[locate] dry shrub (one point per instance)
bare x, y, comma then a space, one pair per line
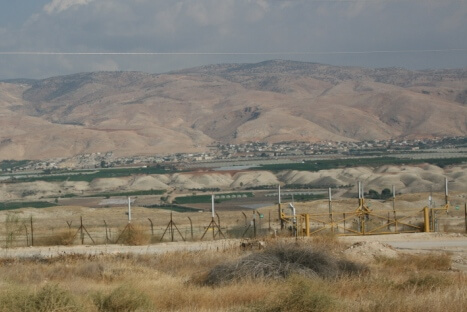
49, 298
165, 279
236, 231
436, 300
327, 240
426, 282
92, 270
61, 238
175, 294
280, 261
134, 235
303, 295
407, 262
53, 298
185, 263
123, 298
15, 299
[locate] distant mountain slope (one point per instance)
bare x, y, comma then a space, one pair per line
183, 111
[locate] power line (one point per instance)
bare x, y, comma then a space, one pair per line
51, 53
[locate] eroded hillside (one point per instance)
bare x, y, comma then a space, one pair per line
133, 113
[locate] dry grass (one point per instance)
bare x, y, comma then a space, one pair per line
49, 298
300, 294
123, 298
60, 238
408, 263
134, 235
171, 282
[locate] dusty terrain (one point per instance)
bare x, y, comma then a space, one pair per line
135, 113
405, 271
110, 222
362, 248
406, 179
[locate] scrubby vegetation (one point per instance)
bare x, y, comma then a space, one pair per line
123, 298
310, 275
133, 235
48, 298
59, 238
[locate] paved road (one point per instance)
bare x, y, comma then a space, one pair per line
431, 245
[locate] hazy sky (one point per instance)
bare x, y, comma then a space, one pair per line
425, 34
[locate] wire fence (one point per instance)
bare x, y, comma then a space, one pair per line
86, 230
16, 232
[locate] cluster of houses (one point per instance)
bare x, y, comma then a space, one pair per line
232, 152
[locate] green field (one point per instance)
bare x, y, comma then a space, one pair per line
18, 205
175, 208
304, 198
88, 176
357, 162
133, 193
202, 199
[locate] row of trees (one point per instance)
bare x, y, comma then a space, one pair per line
385, 194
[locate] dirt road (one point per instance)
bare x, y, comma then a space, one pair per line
455, 244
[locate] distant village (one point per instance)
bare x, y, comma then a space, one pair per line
236, 152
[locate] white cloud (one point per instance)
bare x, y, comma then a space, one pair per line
212, 12
57, 6
258, 10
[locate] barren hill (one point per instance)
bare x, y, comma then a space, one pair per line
406, 179
137, 113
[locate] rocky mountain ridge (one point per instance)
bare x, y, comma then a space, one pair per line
133, 113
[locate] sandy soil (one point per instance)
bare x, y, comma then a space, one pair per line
361, 248
415, 243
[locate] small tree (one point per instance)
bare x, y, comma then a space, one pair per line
373, 194
386, 193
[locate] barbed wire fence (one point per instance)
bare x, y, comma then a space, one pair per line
17, 231
79, 230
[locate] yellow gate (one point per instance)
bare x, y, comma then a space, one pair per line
362, 221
